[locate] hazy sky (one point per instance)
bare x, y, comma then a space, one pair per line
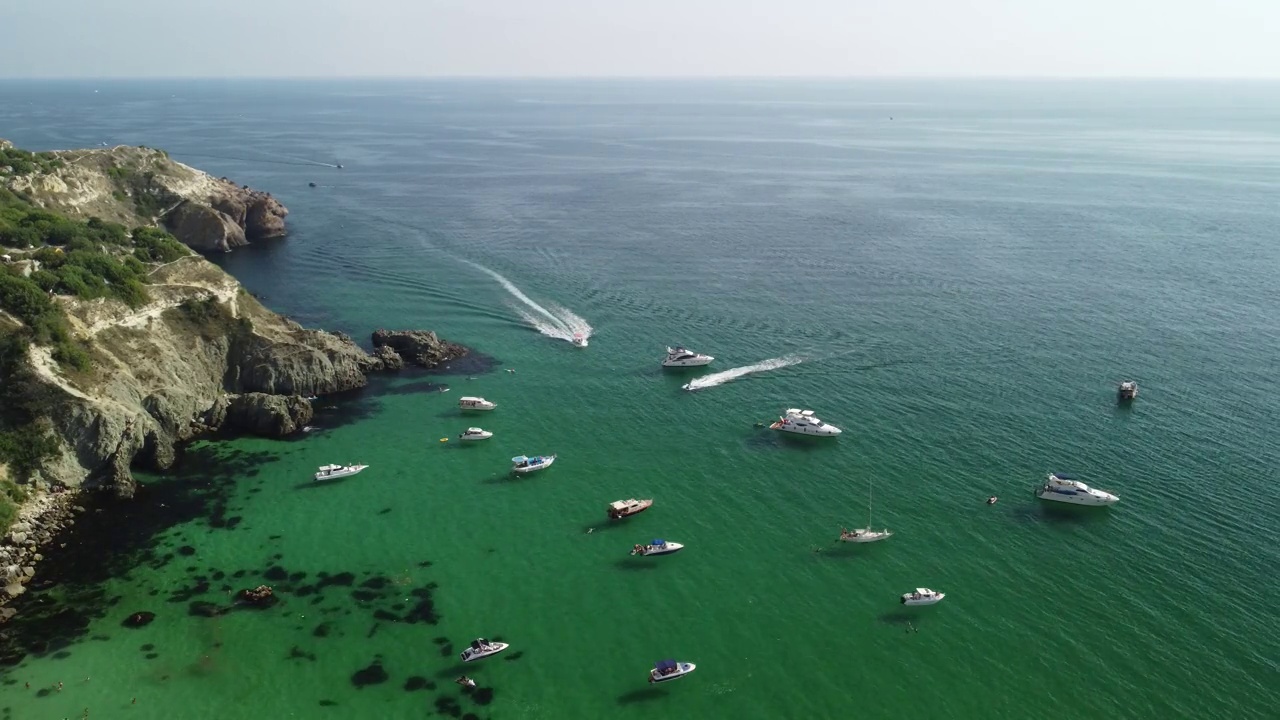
283, 38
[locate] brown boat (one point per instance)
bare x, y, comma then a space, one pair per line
625, 508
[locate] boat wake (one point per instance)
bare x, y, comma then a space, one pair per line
551, 320
724, 376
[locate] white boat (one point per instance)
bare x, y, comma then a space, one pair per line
657, 547
866, 534
524, 464
474, 433
1067, 489
922, 596
579, 340
475, 403
333, 472
481, 648
804, 422
682, 358
666, 670
619, 509
1128, 390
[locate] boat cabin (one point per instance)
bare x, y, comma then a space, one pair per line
665, 667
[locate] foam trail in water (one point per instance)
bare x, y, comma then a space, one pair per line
725, 376
560, 323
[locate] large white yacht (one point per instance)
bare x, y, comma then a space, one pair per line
679, 357
475, 403
804, 422
1065, 488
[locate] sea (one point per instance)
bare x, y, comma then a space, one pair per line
958, 273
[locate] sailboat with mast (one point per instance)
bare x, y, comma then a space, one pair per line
866, 534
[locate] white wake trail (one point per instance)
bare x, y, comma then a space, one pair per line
559, 322
725, 376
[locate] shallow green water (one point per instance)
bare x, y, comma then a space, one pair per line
964, 287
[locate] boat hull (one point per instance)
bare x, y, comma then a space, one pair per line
911, 602
1078, 498
866, 536
827, 431
671, 547
621, 514
534, 468
475, 438
682, 670
691, 362
321, 477
470, 655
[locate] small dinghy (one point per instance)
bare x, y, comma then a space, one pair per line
333, 472
657, 547
670, 670
475, 433
523, 464
481, 648
922, 596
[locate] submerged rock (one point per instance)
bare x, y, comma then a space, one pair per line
371, 675
139, 619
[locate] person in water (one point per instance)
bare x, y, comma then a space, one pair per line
465, 681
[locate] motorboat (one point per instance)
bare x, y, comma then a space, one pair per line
1128, 390
922, 596
579, 340
665, 670
475, 403
804, 422
1067, 489
619, 509
481, 648
682, 358
657, 547
524, 464
333, 472
866, 534
474, 433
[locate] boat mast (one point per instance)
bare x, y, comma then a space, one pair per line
870, 490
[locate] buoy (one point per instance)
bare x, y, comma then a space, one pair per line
444, 439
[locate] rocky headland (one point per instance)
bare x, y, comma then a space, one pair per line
188, 355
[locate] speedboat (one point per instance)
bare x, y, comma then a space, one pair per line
666, 670
864, 535
579, 340
475, 403
475, 433
619, 509
524, 464
657, 547
333, 472
804, 422
922, 596
1067, 489
682, 358
1128, 390
481, 648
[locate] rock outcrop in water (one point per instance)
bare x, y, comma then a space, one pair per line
419, 347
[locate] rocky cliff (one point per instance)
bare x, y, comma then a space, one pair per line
143, 186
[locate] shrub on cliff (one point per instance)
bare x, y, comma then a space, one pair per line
24, 442
155, 245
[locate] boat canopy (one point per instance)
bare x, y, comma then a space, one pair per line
519, 459
1064, 476
619, 504
923, 591
665, 665
324, 468
470, 399
658, 542
475, 430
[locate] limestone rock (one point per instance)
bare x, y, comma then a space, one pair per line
265, 218
420, 347
203, 228
391, 360
268, 415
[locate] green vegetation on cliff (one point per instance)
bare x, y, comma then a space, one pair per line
23, 162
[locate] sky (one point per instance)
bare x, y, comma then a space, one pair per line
645, 38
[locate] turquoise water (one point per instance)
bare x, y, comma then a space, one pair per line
963, 284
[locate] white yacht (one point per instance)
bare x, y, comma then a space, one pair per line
1065, 488
474, 433
523, 464
333, 472
657, 547
804, 422
682, 358
481, 648
579, 340
922, 596
666, 670
475, 403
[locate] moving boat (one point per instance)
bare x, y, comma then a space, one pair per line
666, 670
481, 648
619, 509
1128, 390
1067, 489
524, 464
475, 433
804, 422
657, 547
922, 596
579, 340
333, 472
475, 403
682, 358
866, 534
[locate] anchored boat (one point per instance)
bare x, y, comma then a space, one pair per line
333, 472
523, 464
666, 670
